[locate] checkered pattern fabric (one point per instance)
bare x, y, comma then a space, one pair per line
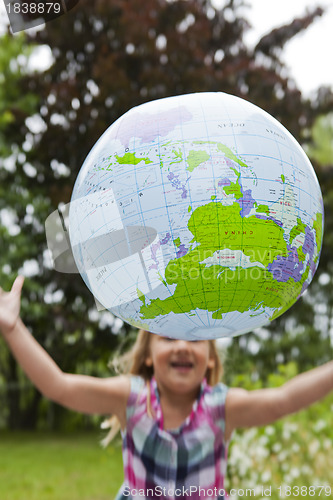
189, 461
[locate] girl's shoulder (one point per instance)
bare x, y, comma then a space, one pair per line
138, 393
137, 385
218, 391
214, 399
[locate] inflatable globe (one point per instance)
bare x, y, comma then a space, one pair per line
197, 216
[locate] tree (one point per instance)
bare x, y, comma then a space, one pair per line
106, 58
14, 108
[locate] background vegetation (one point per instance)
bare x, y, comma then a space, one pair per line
106, 57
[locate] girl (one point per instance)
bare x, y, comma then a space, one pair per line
176, 418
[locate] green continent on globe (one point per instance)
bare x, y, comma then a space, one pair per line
201, 282
217, 227
225, 150
195, 158
298, 229
263, 209
222, 291
318, 227
131, 159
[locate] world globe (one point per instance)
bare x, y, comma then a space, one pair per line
197, 216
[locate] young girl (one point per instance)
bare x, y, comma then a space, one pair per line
176, 418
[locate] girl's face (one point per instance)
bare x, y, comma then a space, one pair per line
179, 365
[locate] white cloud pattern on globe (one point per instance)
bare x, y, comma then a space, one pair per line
197, 216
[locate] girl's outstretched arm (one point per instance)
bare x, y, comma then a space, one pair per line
263, 406
78, 392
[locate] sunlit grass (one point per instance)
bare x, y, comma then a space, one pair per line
35, 466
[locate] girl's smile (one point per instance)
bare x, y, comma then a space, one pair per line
179, 365
182, 365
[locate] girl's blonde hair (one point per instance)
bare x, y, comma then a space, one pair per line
134, 363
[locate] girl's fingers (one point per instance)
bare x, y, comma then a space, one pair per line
18, 283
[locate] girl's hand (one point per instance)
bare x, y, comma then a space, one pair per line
10, 306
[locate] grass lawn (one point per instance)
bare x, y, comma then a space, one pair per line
45, 466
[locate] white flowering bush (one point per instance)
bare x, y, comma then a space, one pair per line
294, 452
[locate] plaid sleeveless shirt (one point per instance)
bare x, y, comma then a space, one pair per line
189, 461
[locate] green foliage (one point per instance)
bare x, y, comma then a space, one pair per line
321, 147
13, 102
